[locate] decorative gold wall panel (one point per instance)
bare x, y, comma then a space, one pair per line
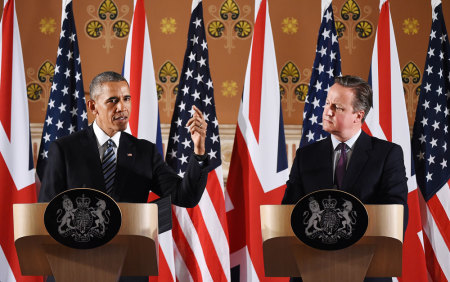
103, 28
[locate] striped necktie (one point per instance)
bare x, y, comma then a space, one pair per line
109, 166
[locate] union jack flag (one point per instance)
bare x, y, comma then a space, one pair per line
66, 111
200, 233
429, 145
327, 65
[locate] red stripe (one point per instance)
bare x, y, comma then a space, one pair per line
6, 75
441, 218
413, 266
185, 250
9, 196
137, 53
256, 69
164, 273
434, 269
216, 194
366, 129
209, 251
247, 196
384, 71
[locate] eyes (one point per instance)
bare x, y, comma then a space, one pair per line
115, 100
334, 107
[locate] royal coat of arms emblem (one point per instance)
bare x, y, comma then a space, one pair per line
329, 219
92, 221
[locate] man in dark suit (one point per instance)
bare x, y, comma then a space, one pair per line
76, 160
373, 169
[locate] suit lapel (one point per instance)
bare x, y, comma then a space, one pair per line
357, 161
125, 161
90, 149
324, 167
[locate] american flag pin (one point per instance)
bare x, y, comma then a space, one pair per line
129, 154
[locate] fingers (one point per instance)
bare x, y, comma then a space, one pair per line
196, 124
197, 111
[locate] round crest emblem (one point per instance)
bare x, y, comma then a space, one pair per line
82, 218
329, 219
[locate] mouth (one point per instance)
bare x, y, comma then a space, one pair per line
120, 118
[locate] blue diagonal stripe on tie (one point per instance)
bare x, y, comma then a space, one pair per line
109, 166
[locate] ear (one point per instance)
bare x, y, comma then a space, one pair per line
359, 116
92, 107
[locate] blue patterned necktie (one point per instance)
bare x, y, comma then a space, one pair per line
341, 166
109, 166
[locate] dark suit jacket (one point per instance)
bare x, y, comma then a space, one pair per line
375, 173
74, 162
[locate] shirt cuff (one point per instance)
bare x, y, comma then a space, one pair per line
200, 158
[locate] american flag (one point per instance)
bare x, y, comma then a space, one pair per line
66, 111
429, 145
327, 65
200, 233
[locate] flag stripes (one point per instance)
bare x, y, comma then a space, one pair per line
255, 70
383, 41
6, 66
17, 174
199, 232
136, 62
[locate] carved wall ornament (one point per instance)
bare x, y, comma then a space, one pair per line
411, 26
167, 87
230, 23
293, 87
107, 23
352, 25
229, 88
168, 25
289, 25
411, 77
47, 26
40, 82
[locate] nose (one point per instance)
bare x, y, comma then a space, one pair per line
120, 106
327, 110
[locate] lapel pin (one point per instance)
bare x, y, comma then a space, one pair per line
129, 154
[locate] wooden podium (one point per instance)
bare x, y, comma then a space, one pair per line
132, 252
377, 254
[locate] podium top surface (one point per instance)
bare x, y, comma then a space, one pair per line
138, 232
281, 247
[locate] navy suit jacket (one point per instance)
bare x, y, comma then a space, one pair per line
375, 173
74, 162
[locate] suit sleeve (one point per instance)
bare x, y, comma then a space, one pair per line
394, 188
54, 180
186, 191
294, 190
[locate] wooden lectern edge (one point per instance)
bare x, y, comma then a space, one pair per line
280, 244
31, 237
279, 216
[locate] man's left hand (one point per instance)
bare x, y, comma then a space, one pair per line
197, 127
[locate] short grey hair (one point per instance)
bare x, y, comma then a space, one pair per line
107, 76
363, 92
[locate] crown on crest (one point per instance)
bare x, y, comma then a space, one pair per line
83, 202
329, 203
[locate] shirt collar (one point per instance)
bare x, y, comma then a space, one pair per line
350, 142
102, 137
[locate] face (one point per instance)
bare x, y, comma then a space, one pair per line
339, 118
112, 107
